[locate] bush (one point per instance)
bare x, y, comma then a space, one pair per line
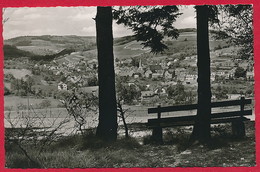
45, 104
6, 91
240, 72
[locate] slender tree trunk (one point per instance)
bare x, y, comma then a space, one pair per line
125, 125
122, 115
201, 131
107, 127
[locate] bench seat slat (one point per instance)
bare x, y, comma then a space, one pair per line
173, 108
172, 119
190, 123
193, 117
230, 103
232, 113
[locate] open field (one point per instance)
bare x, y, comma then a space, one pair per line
15, 101
125, 51
18, 73
41, 50
135, 114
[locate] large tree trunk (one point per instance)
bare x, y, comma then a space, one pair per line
107, 127
201, 131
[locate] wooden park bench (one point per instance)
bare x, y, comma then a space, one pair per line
237, 118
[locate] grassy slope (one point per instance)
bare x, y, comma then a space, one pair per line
89, 152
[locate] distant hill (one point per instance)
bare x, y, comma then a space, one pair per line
123, 40
44, 39
48, 45
187, 30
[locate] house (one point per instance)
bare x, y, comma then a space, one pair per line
167, 74
175, 60
146, 95
62, 86
75, 79
148, 73
234, 96
161, 92
155, 68
191, 77
132, 82
231, 73
169, 63
137, 75
179, 71
250, 75
213, 76
93, 61
220, 73
163, 65
126, 72
181, 76
228, 63
157, 75
57, 73
117, 70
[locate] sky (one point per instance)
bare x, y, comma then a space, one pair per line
69, 21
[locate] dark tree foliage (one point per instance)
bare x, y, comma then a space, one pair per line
235, 24
127, 93
240, 72
6, 91
52, 56
221, 93
149, 23
12, 52
177, 93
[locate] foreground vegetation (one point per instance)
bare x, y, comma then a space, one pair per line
86, 151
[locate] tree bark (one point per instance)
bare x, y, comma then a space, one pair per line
107, 127
201, 131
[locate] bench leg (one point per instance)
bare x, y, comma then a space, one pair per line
238, 129
157, 135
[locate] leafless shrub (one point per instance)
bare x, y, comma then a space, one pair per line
123, 113
122, 116
32, 129
80, 106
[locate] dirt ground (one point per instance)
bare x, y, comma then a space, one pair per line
223, 151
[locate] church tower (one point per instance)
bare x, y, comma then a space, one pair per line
140, 64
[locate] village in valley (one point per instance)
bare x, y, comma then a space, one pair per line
148, 77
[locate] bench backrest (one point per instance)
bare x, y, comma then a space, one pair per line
242, 102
